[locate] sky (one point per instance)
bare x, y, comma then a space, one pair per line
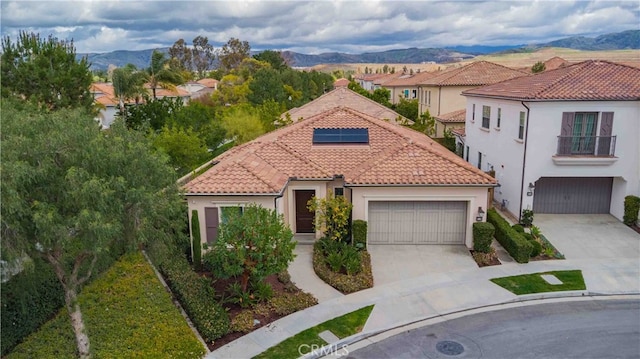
314, 27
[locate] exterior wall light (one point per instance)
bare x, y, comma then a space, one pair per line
530, 191
480, 215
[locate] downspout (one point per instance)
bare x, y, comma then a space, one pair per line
439, 98
524, 162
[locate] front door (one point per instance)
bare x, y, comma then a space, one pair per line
304, 217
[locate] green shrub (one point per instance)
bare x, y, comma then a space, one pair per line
262, 291
343, 282
196, 296
631, 208
527, 217
243, 322
245, 299
482, 236
512, 241
518, 227
285, 278
536, 248
334, 261
197, 241
359, 230
287, 303
528, 236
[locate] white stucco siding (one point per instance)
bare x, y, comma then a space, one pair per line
199, 203
500, 147
474, 196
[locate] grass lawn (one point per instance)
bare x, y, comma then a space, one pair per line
342, 327
127, 312
533, 283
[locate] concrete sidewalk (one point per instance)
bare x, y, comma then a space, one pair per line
434, 295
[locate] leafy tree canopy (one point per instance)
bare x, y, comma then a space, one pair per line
46, 72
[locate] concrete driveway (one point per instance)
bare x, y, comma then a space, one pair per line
589, 236
393, 263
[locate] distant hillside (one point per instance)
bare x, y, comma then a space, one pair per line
617, 41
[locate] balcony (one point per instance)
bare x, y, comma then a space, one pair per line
585, 150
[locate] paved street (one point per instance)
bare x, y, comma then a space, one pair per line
575, 329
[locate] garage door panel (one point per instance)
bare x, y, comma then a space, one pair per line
417, 222
579, 195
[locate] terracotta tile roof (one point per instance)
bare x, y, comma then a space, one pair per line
475, 74
554, 63
343, 97
452, 117
384, 78
106, 100
395, 155
460, 131
410, 80
341, 82
585, 81
211, 83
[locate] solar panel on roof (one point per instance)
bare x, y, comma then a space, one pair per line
340, 135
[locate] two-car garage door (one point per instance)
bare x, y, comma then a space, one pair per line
416, 222
572, 195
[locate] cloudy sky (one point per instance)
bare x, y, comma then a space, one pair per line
316, 26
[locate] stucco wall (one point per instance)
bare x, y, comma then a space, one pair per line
475, 196
502, 149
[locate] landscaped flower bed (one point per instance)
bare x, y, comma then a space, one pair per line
347, 275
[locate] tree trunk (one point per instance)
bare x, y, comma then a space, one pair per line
82, 339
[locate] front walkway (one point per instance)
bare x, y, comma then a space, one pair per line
302, 274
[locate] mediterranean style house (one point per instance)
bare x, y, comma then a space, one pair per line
409, 188
441, 93
562, 141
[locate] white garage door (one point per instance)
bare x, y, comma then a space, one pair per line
433, 222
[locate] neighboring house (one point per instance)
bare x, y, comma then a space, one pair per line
449, 121
381, 81
441, 93
200, 88
177, 92
366, 81
341, 82
346, 98
562, 141
459, 134
409, 189
406, 85
104, 97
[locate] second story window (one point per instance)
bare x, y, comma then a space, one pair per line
486, 116
499, 117
473, 113
521, 127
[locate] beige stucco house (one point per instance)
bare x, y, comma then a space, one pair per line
409, 189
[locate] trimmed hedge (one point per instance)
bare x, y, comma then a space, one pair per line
536, 248
482, 236
359, 230
631, 209
518, 227
29, 299
196, 245
512, 241
343, 282
196, 296
127, 313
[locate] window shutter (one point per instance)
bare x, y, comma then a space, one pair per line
567, 123
606, 130
212, 222
606, 124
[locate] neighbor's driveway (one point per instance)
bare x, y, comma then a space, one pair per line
393, 263
589, 236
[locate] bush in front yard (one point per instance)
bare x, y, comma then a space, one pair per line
196, 296
518, 227
536, 248
482, 236
345, 283
512, 241
631, 208
359, 230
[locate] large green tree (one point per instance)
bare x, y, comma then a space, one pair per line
160, 74
274, 58
128, 84
232, 53
45, 71
203, 55
253, 243
72, 192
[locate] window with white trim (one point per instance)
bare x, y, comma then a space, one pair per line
473, 113
486, 116
499, 117
521, 126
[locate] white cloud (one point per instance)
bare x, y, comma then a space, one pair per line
316, 26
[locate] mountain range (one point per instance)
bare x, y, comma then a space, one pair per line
629, 39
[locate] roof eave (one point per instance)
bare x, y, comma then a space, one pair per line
421, 185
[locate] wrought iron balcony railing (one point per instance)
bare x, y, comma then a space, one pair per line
599, 146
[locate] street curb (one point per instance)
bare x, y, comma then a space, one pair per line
527, 299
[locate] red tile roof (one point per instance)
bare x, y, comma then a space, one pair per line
208, 82
593, 80
460, 131
411, 80
341, 82
343, 97
475, 74
395, 155
452, 117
